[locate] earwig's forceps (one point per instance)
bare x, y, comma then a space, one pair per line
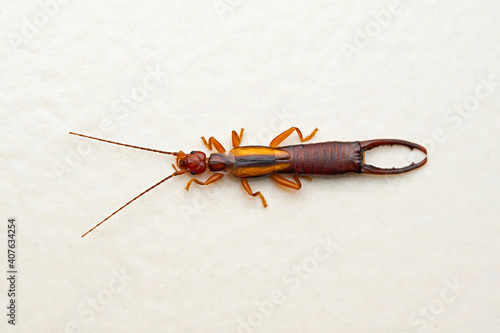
370, 144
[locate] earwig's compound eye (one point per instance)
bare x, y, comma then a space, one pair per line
193, 173
192, 152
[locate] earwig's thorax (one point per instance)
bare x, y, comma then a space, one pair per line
195, 162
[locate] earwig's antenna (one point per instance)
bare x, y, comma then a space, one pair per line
177, 173
130, 146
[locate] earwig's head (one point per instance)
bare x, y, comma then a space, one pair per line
195, 162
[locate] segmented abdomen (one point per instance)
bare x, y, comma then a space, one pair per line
324, 158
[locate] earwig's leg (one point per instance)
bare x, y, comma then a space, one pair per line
212, 142
309, 178
288, 183
210, 180
237, 138
247, 188
280, 138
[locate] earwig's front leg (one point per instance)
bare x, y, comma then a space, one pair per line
280, 138
288, 183
212, 142
237, 138
212, 179
247, 188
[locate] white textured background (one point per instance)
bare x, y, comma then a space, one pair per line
413, 253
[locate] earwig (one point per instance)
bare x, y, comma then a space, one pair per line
325, 158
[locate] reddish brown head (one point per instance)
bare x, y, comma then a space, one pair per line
195, 162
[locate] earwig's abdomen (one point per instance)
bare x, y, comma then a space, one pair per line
324, 158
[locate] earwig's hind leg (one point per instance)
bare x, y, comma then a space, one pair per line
288, 183
280, 138
212, 179
309, 178
212, 142
237, 138
247, 188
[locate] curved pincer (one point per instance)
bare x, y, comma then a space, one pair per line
370, 144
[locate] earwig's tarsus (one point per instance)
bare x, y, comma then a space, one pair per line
280, 138
237, 138
247, 188
213, 143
